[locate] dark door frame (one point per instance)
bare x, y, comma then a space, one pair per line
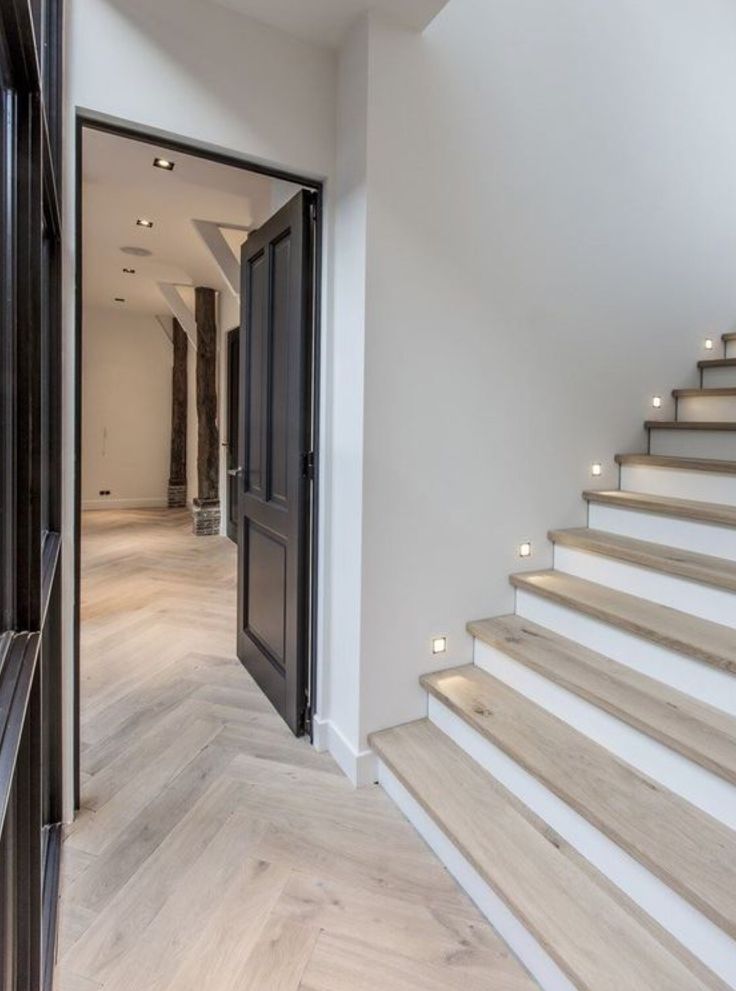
88, 119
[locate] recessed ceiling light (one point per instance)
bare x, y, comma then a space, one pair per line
119, 299
163, 163
138, 252
129, 271
143, 222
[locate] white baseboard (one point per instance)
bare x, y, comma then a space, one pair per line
360, 766
153, 502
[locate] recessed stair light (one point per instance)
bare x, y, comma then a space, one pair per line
596, 468
163, 163
144, 222
708, 344
525, 549
657, 402
439, 645
129, 271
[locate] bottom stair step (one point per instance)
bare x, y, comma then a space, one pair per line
598, 940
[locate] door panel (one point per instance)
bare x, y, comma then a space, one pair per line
233, 392
274, 496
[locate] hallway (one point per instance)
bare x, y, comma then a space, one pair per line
214, 851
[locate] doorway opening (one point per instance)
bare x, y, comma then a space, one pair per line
198, 282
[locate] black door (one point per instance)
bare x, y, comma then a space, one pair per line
233, 392
275, 456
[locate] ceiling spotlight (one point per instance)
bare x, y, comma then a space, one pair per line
163, 163
143, 222
129, 271
119, 299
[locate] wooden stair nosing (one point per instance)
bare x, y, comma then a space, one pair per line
728, 337
714, 425
703, 393
707, 363
672, 629
702, 568
677, 462
690, 851
598, 937
720, 514
694, 729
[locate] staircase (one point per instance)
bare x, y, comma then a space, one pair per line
579, 779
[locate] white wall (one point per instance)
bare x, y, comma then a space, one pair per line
126, 420
202, 72
551, 234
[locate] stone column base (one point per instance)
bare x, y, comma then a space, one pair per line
205, 518
177, 496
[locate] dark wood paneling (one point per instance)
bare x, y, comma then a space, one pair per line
208, 446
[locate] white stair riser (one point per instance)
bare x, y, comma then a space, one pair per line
705, 601
686, 778
706, 408
730, 349
695, 443
718, 378
703, 682
704, 538
526, 947
703, 486
673, 912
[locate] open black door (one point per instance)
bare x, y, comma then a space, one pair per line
274, 473
233, 392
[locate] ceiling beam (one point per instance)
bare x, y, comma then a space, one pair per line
224, 257
180, 310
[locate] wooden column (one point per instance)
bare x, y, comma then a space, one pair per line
178, 458
206, 510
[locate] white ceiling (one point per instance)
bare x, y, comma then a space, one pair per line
120, 185
325, 21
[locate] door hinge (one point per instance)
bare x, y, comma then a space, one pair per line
308, 465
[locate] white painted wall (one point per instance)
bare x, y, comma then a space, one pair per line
126, 389
341, 468
208, 74
551, 234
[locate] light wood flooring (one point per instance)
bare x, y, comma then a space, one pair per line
214, 851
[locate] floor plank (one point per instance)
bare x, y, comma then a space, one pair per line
215, 852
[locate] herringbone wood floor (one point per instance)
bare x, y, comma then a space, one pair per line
214, 851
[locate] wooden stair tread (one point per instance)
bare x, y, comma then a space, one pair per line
696, 730
678, 462
728, 337
570, 910
703, 393
690, 509
686, 848
717, 363
717, 571
690, 424
682, 632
